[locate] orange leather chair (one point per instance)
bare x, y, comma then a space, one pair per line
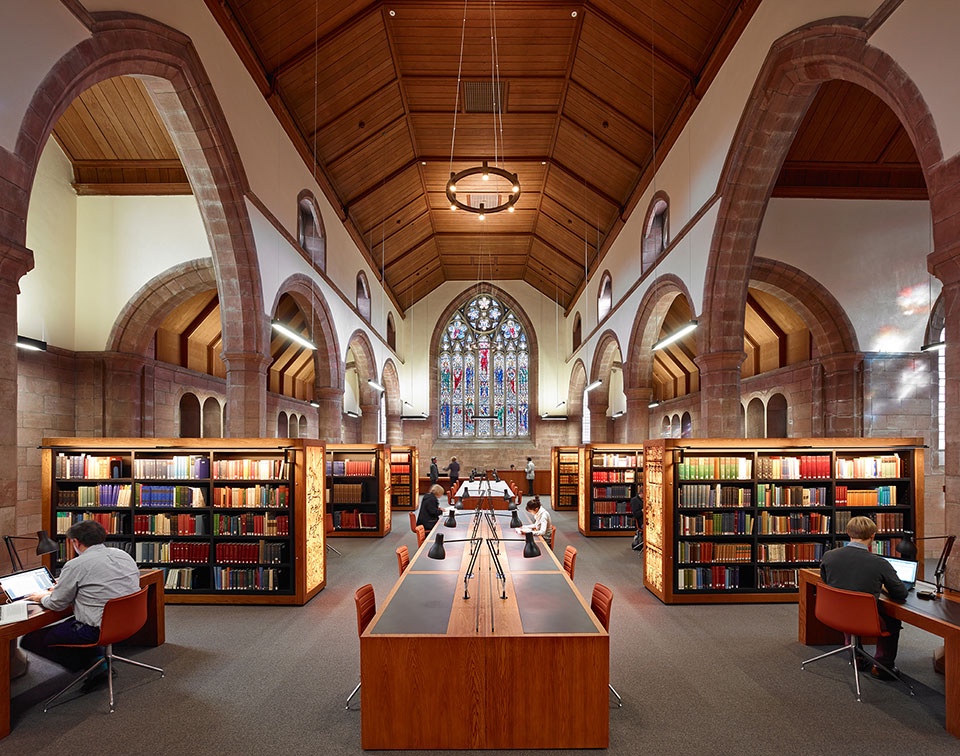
570, 561
553, 536
366, 602
122, 617
421, 535
600, 603
403, 559
855, 614
413, 521
328, 529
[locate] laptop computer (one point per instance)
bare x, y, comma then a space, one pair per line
21, 584
906, 571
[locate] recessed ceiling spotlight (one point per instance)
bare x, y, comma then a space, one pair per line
393, 13
573, 14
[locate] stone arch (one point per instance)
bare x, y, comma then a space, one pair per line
369, 397
797, 64
390, 380
575, 408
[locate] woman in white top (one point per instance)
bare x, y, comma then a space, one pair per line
541, 519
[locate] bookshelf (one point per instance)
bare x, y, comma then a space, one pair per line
731, 521
359, 489
564, 477
404, 461
610, 475
233, 521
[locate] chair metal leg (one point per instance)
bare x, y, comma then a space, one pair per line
855, 650
350, 697
76, 680
334, 550
614, 691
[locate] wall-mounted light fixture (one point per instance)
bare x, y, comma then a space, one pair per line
934, 346
292, 335
596, 384
31, 345
676, 335
351, 413
375, 385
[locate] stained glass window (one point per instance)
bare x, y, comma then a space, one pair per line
484, 365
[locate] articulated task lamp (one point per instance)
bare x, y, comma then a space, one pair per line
907, 548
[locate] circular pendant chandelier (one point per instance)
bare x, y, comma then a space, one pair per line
501, 190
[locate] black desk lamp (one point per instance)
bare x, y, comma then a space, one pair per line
907, 548
45, 545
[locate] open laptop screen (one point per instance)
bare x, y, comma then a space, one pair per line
22, 584
906, 570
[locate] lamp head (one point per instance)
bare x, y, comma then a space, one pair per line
437, 551
45, 544
515, 519
906, 548
451, 521
530, 548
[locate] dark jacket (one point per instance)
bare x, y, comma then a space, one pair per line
854, 568
454, 469
429, 511
434, 473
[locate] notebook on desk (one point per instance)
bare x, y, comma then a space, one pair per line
21, 584
906, 571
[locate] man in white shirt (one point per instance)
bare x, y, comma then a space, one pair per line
93, 577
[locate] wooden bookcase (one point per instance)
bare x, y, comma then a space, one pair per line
728, 520
358, 489
610, 474
232, 521
564, 477
404, 461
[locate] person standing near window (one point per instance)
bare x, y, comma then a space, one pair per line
434, 471
454, 470
531, 475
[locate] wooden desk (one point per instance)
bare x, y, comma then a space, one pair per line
152, 634
494, 493
441, 672
940, 617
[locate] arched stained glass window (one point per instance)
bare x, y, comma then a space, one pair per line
484, 367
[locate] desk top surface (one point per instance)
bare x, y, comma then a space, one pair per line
498, 488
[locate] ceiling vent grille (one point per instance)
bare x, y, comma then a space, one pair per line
478, 97
488, 200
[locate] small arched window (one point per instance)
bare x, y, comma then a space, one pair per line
363, 296
605, 297
391, 332
577, 332
212, 418
282, 428
310, 233
777, 416
656, 236
189, 416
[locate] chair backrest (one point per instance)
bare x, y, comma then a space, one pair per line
328, 523
553, 536
366, 606
600, 603
849, 612
413, 522
403, 558
570, 560
421, 535
122, 617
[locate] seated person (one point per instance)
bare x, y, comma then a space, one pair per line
855, 567
541, 519
430, 507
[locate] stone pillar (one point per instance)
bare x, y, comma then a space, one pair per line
951, 467
842, 395
15, 262
720, 407
125, 405
369, 423
329, 414
246, 394
638, 413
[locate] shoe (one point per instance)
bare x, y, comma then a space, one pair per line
881, 674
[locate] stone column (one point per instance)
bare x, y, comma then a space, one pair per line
842, 395
329, 414
720, 407
126, 407
369, 423
246, 394
638, 413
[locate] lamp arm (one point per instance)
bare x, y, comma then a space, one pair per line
501, 576
942, 562
15, 562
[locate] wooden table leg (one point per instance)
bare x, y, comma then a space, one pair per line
4, 688
951, 658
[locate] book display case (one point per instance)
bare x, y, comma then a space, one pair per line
564, 477
358, 489
228, 520
404, 462
727, 521
610, 475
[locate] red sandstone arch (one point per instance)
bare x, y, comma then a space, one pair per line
390, 380
578, 382
366, 363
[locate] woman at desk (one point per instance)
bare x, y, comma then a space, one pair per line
541, 519
430, 507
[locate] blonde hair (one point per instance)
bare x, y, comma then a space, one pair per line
861, 528
437, 490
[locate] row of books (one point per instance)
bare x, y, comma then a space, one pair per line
884, 466
350, 467
567, 468
347, 493
171, 551
67, 466
717, 578
887, 522
178, 578
790, 552
777, 577
250, 553
801, 467
250, 523
355, 520
401, 499
770, 495
703, 552
177, 467
716, 523
797, 522
247, 579
264, 496
613, 476
276, 468
568, 480
169, 524
112, 521
613, 522
149, 495
612, 492
617, 460
714, 495
881, 496
102, 495
715, 468
611, 507
400, 468
567, 500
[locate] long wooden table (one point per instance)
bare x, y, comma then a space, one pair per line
940, 617
151, 634
440, 671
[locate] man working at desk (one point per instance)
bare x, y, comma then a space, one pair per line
855, 567
93, 577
